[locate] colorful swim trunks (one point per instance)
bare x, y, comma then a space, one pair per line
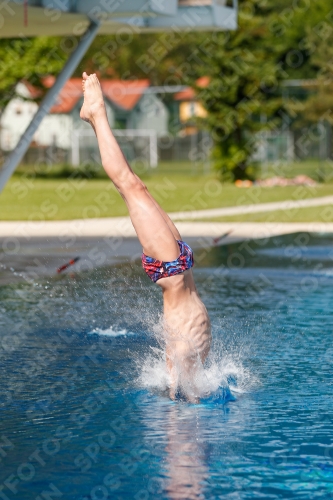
157, 269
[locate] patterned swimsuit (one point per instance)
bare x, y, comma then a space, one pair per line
157, 269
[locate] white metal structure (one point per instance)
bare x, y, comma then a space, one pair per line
71, 17
151, 154
22, 18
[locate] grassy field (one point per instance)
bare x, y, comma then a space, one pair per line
319, 170
311, 214
176, 187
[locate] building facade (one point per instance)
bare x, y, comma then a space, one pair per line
129, 106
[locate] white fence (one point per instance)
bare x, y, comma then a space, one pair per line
138, 145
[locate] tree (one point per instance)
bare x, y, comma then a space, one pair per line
319, 37
244, 73
132, 56
29, 59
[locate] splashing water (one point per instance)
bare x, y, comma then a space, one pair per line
217, 380
222, 375
110, 332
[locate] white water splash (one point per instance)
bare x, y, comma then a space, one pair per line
222, 376
110, 332
220, 379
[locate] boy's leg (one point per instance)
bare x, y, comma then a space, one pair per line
155, 230
167, 219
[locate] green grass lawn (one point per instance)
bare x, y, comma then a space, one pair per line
318, 170
311, 214
176, 187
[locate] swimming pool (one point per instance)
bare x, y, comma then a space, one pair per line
84, 413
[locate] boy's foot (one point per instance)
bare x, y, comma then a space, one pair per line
93, 104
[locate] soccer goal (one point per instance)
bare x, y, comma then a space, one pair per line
139, 147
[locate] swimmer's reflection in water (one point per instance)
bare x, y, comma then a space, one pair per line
185, 463
166, 258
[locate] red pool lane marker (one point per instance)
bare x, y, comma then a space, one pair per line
69, 264
219, 238
25, 7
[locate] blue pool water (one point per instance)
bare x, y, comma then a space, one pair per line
84, 412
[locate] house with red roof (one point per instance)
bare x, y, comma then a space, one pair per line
129, 105
190, 107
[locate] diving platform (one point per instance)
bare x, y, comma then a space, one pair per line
71, 17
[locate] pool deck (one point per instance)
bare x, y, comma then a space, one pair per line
29, 250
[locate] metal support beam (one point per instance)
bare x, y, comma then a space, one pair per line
17, 154
207, 17
123, 8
